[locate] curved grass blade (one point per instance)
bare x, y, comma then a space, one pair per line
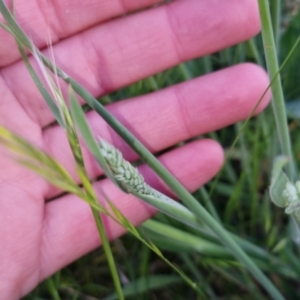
127, 224
146, 285
42, 164
86, 133
52, 105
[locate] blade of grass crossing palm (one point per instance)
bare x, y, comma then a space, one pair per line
13, 26
6, 28
81, 123
22, 147
43, 164
40, 86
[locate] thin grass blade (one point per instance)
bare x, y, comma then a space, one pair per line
146, 285
86, 133
127, 224
52, 105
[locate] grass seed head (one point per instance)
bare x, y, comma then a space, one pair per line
124, 172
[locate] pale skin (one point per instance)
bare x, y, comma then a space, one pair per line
39, 237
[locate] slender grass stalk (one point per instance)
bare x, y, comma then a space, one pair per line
278, 99
152, 83
52, 289
251, 176
100, 226
239, 54
252, 48
230, 172
144, 286
185, 72
207, 64
275, 10
199, 277
51, 104
208, 203
150, 159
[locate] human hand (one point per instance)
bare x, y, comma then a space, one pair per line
39, 237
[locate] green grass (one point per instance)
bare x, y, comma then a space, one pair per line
239, 197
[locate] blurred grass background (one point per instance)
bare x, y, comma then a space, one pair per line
240, 199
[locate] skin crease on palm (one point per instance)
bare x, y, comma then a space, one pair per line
104, 51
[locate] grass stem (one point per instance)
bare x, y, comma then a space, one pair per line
278, 99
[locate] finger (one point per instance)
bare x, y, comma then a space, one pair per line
60, 19
164, 118
70, 231
117, 53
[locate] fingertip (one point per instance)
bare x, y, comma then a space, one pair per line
234, 20
259, 79
252, 22
208, 158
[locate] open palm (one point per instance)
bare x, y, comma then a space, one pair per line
105, 52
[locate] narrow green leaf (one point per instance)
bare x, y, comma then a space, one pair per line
43, 164
170, 207
178, 240
22, 148
51, 104
50, 176
127, 224
5, 27
146, 285
86, 133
